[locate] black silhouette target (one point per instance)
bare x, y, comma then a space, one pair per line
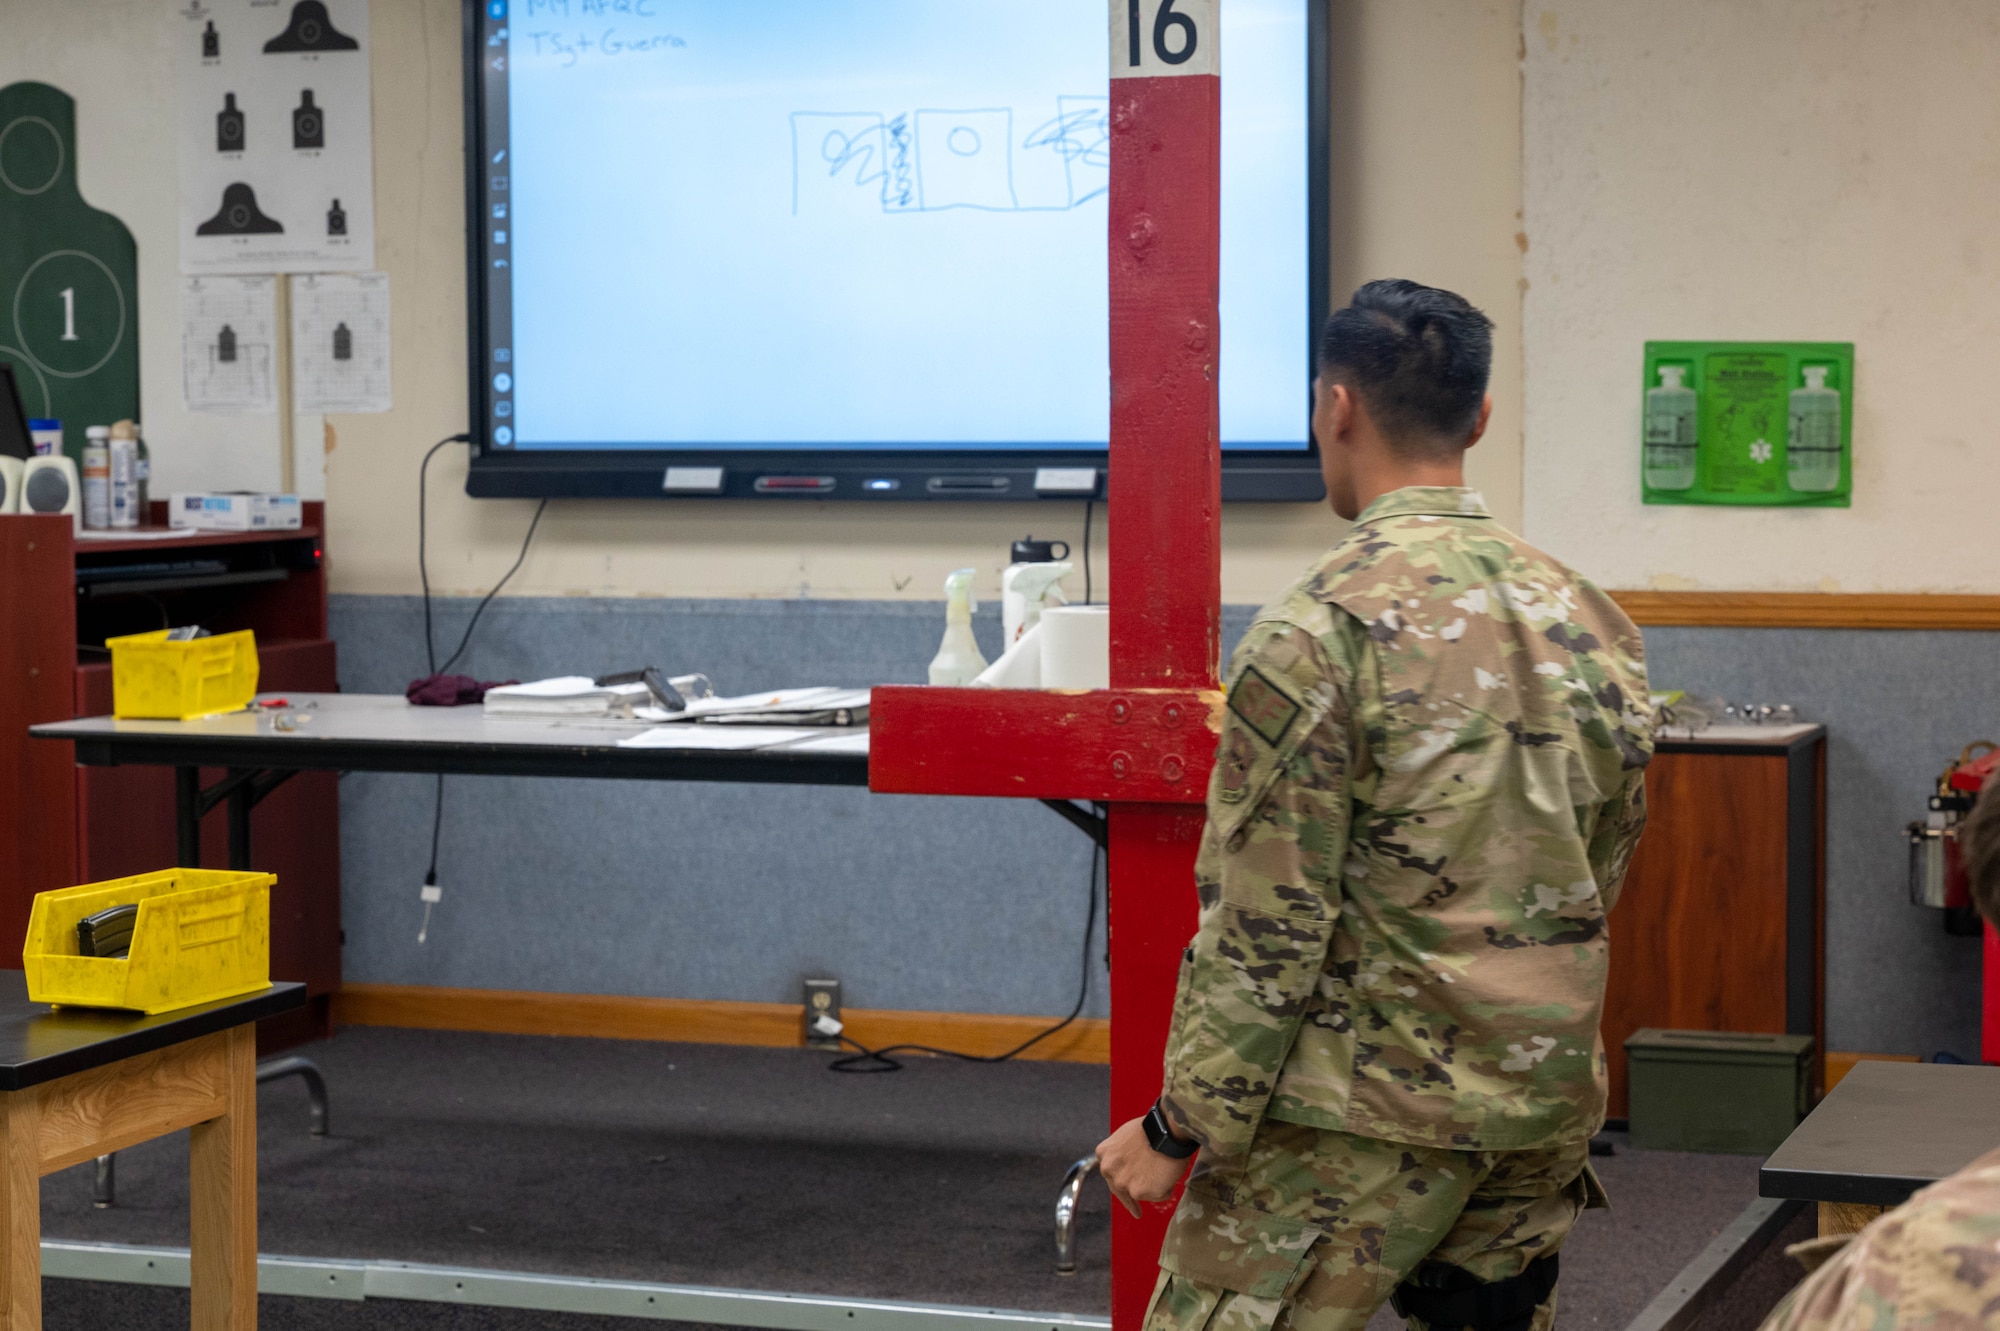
308, 122
239, 215
310, 30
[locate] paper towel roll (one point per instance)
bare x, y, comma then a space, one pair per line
1019, 668
1076, 647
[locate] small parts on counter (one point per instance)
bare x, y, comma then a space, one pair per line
1679, 713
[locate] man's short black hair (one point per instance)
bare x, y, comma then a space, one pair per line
1417, 356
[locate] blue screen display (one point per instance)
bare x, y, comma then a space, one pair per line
854, 224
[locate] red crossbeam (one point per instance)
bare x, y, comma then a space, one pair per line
1154, 745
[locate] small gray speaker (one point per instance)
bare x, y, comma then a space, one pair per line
50, 485
10, 484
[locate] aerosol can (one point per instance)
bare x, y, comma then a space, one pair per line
958, 660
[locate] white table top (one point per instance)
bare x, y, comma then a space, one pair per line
383, 732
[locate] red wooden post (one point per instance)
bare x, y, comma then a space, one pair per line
1146, 744
1165, 490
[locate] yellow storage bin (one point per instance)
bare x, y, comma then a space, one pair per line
201, 934
153, 679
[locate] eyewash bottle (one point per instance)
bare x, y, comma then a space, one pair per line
1812, 449
1670, 431
958, 660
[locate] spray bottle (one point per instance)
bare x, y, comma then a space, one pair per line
1025, 590
958, 660
1671, 414
1812, 448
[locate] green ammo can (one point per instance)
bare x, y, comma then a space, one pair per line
1723, 1091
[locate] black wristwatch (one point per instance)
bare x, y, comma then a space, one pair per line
1161, 1137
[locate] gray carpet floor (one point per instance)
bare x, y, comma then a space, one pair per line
713, 1165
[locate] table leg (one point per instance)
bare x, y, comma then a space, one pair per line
1845, 1217
222, 1160
21, 1184
241, 801
187, 815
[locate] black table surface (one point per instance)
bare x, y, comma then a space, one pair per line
40, 1043
1887, 1130
364, 732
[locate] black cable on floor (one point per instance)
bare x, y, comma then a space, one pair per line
879, 1060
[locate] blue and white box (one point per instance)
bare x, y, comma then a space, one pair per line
238, 510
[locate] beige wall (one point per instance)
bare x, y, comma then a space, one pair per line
1426, 179
1467, 192
1783, 170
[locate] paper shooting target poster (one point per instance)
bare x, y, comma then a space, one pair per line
276, 153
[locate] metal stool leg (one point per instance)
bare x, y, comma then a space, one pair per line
104, 1192
292, 1065
1072, 1189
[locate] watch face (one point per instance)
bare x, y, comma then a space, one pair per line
1161, 1136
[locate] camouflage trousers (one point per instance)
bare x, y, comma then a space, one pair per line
1313, 1230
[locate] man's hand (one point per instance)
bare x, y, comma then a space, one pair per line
1133, 1170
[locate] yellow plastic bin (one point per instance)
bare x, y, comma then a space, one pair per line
201, 934
153, 679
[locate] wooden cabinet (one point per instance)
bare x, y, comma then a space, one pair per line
1721, 923
61, 824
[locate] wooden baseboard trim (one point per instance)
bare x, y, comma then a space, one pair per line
1831, 610
702, 1021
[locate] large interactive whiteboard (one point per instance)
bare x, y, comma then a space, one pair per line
850, 226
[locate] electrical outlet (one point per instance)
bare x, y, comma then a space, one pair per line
822, 1001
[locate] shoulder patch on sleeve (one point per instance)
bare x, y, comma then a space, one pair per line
1263, 706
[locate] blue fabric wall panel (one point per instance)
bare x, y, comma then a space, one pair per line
703, 890
715, 891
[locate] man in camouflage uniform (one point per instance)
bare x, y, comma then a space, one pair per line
1934, 1261
1427, 787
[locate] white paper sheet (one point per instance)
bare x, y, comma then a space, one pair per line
814, 699
842, 741
739, 738
137, 534
340, 342
276, 141
229, 344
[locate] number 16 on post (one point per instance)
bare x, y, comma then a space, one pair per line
1155, 38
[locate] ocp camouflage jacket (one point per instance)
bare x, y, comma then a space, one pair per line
1428, 785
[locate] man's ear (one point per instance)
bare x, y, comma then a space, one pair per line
1341, 411
1485, 415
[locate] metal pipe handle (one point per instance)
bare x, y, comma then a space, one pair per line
1066, 1200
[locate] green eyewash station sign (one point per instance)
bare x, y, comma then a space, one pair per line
1757, 423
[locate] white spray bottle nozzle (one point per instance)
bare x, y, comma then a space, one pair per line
958, 660
1815, 376
959, 604
1671, 375
1024, 590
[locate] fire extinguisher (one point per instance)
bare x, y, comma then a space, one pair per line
1937, 870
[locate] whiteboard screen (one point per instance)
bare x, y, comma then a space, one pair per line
853, 224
